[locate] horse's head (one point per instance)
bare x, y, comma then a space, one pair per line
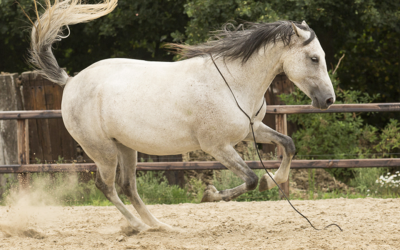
304, 64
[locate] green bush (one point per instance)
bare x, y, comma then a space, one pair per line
153, 188
389, 139
365, 180
377, 182
345, 136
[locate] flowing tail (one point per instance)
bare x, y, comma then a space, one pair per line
49, 28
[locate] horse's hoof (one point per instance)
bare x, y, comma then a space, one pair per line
211, 194
266, 183
165, 227
162, 227
129, 230
143, 228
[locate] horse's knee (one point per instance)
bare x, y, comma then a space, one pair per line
252, 182
127, 189
290, 148
102, 186
99, 183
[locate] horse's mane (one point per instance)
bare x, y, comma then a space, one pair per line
240, 42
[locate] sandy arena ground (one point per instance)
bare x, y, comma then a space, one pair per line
366, 223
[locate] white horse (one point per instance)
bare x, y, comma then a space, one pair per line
117, 107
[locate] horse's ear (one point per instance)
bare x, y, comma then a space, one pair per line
305, 24
295, 29
299, 32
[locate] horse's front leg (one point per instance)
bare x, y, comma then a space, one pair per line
228, 156
265, 134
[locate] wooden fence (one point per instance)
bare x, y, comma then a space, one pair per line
23, 167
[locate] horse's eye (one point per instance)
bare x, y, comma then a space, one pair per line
314, 59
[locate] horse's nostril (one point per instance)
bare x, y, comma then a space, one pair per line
329, 101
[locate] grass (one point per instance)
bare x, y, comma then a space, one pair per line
227, 179
153, 188
65, 189
364, 184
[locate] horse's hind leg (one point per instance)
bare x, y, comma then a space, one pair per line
264, 134
104, 155
228, 156
127, 159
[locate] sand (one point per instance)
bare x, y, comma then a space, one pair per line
366, 223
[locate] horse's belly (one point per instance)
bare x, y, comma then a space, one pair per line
160, 141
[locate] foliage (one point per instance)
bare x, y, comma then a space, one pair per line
389, 139
341, 135
377, 182
365, 179
311, 183
153, 188
135, 29
331, 135
377, 69
64, 189
390, 182
14, 35
367, 31
197, 188
68, 189
227, 179
206, 16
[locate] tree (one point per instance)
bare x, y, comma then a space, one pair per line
135, 29
367, 31
13, 33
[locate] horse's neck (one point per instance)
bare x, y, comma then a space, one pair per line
250, 80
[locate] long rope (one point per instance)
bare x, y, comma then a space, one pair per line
258, 153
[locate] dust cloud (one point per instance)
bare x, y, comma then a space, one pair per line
34, 211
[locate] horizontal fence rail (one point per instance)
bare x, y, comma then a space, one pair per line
278, 110
271, 109
205, 165
30, 114
336, 108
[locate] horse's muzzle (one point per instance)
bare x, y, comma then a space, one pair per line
323, 105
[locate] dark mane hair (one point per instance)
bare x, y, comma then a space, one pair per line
243, 41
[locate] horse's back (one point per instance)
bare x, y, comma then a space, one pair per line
123, 61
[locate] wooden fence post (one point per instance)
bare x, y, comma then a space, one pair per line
23, 151
281, 127
10, 100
